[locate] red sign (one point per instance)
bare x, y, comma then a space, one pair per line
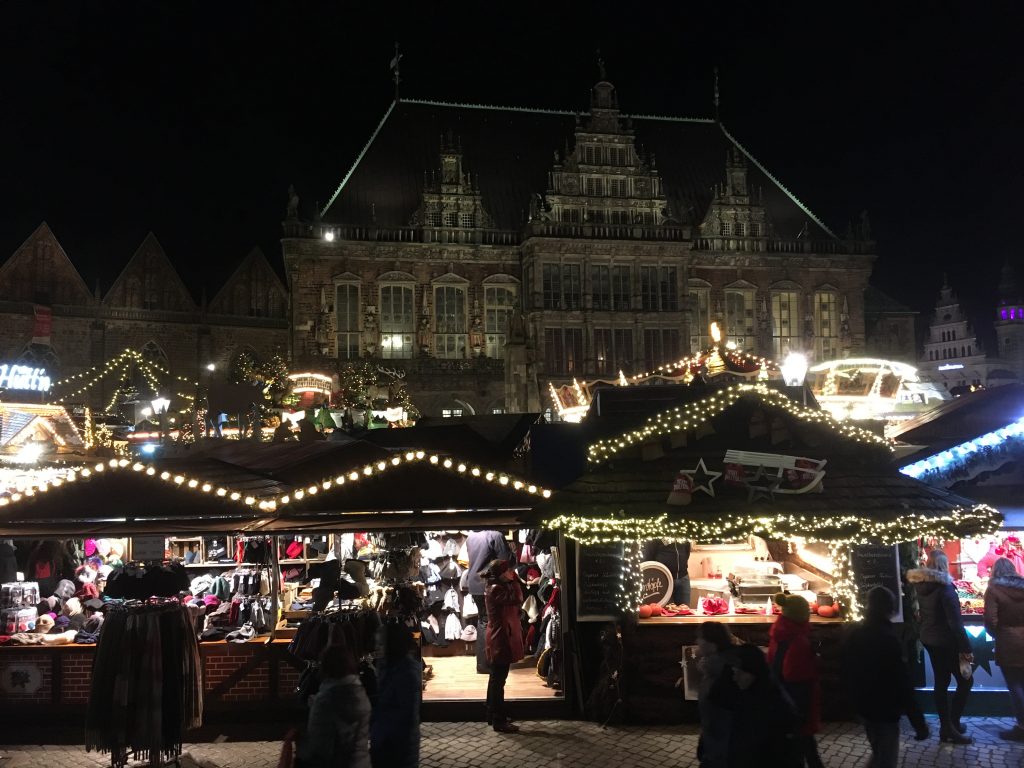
43, 325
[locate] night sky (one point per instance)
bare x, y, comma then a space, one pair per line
191, 119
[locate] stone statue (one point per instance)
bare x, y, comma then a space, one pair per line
423, 335
292, 213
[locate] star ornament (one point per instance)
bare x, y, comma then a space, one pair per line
761, 485
701, 479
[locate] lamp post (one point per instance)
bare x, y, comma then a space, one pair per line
794, 369
160, 405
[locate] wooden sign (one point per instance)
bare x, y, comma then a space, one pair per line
877, 565
598, 581
656, 583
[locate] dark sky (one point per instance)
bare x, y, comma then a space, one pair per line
191, 119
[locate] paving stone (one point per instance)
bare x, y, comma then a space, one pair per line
573, 744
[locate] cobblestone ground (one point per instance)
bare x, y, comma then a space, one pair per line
562, 743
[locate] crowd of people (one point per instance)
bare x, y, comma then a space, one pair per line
756, 708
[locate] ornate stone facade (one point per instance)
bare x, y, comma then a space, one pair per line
539, 246
48, 315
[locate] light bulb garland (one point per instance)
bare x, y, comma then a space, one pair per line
336, 482
845, 529
692, 415
120, 363
989, 450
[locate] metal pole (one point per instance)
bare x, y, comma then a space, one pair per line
275, 588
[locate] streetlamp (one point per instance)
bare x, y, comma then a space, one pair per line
160, 405
794, 369
211, 367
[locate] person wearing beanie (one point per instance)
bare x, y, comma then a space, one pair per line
878, 680
1004, 620
481, 548
796, 667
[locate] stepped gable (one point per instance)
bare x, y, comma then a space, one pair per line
40, 271
511, 151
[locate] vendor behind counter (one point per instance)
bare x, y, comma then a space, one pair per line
675, 556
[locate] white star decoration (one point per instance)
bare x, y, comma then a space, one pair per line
702, 479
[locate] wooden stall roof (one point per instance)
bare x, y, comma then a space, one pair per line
226, 488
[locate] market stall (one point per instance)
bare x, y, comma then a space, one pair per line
767, 496
325, 518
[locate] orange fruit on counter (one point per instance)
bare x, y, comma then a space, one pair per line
645, 611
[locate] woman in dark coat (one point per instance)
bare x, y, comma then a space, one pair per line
716, 649
944, 637
504, 641
1004, 620
764, 720
395, 723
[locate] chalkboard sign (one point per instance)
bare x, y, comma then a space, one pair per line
146, 549
598, 581
877, 565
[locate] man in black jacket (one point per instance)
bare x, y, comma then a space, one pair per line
878, 680
482, 547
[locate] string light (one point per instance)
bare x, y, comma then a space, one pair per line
977, 450
854, 530
694, 414
456, 467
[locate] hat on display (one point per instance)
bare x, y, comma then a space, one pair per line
211, 601
90, 547
44, 624
293, 550
452, 627
65, 589
469, 607
794, 607
469, 633
434, 550
357, 570
105, 570
451, 601
451, 547
93, 605
72, 606
102, 547
116, 549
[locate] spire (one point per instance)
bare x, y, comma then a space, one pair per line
716, 93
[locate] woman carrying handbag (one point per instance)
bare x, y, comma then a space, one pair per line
944, 637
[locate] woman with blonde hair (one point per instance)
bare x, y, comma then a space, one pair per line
943, 636
1004, 620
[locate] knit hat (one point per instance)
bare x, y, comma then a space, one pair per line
794, 607
90, 547
72, 606
44, 624
65, 589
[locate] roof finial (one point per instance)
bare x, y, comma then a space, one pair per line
716, 93
602, 73
395, 69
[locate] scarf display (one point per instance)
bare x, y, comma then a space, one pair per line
147, 687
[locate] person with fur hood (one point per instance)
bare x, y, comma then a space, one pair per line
943, 636
795, 666
1004, 620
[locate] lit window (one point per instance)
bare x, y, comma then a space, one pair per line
451, 413
785, 322
739, 317
700, 318
498, 305
396, 321
346, 312
826, 325
725, 228
449, 322
467, 220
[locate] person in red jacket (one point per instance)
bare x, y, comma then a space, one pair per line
796, 667
504, 639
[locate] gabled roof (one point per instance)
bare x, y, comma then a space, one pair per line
15, 418
254, 262
879, 302
61, 274
150, 257
961, 419
510, 150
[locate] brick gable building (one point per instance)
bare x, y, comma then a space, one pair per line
49, 317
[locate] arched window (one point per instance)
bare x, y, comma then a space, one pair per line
36, 355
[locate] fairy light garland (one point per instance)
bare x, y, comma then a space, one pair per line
853, 530
692, 415
844, 583
121, 362
737, 356
270, 503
